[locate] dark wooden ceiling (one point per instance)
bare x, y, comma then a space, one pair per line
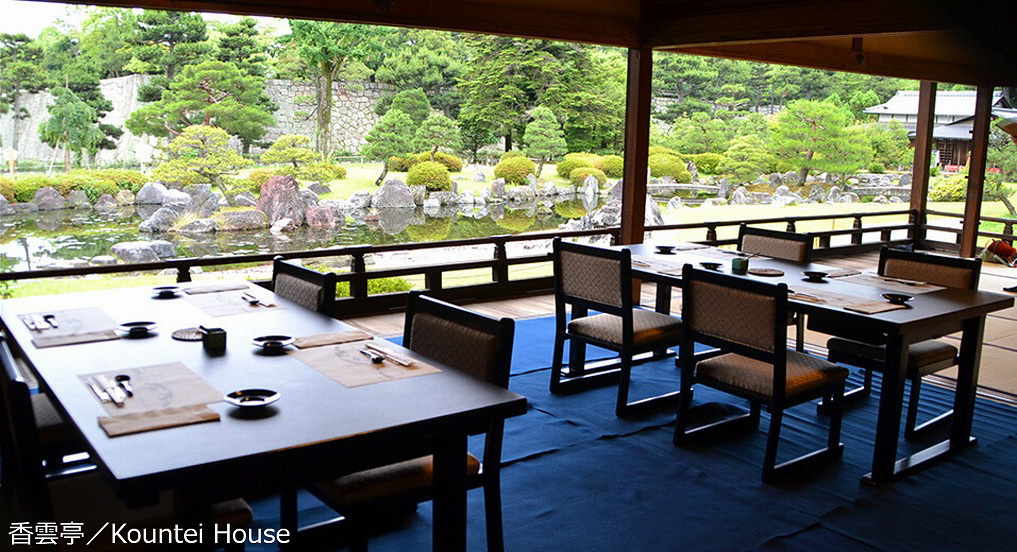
956, 41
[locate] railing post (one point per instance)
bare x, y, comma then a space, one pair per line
791, 225
1008, 230
432, 279
183, 273
711, 232
500, 269
824, 242
358, 284
856, 238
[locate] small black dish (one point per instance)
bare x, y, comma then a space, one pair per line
897, 298
665, 249
137, 329
815, 275
710, 265
272, 342
166, 292
251, 398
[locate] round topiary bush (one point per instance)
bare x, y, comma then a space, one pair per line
571, 163
579, 175
430, 174
663, 164
707, 163
877, 168
511, 153
656, 150
515, 170
453, 163
953, 188
322, 171
612, 165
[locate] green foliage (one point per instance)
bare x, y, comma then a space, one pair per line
255, 179
515, 170
402, 164
94, 183
437, 131
511, 153
543, 137
813, 135
7, 188
430, 174
322, 171
94, 186
890, 144
577, 176
168, 40
294, 149
876, 168
200, 154
953, 188
428, 60
376, 286
72, 125
389, 137
124, 179
574, 161
707, 163
656, 150
240, 44
612, 165
746, 159
22, 189
663, 164
453, 163
701, 133
413, 103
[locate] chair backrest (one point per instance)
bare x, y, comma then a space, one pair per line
940, 270
593, 277
22, 459
736, 315
305, 287
464, 340
788, 246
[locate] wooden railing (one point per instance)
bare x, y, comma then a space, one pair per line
1006, 235
501, 285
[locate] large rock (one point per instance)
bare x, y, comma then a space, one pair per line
361, 199
691, 166
245, 199
498, 188
740, 196
251, 219
776, 179
27, 207
905, 181
204, 201
419, 194
105, 203
674, 203
833, 196
176, 198
48, 199
320, 216
135, 252
445, 198
319, 189
282, 198
849, 197
163, 248
160, 221
283, 225
150, 194
521, 194
124, 197
615, 192
479, 177
102, 260
394, 193
199, 226
78, 199
5, 206
652, 216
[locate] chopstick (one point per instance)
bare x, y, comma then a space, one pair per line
394, 357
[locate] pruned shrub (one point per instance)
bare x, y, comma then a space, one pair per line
430, 174
377, 286
572, 162
255, 179
95, 187
953, 188
579, 175
612, 165
511, 153
877, 168
322, 171
123, 178
401, 163
7, 188
453, 163
663, 164
515, 170
657, 150
707, 163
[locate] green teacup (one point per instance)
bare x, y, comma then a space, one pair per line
739, 265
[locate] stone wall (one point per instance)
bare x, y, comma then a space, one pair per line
352, 117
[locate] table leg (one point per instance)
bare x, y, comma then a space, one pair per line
967, 382
884, 453
663, 305
450, 493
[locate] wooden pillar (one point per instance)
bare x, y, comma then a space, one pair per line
976, 171
923, 157
637, 143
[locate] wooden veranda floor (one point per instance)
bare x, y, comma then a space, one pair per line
998, 375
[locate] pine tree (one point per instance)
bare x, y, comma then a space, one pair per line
71, 124
291, 148
544, 138
811, 135
201, 154
437, 131
390, 136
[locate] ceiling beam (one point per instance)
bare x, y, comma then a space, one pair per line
806, 54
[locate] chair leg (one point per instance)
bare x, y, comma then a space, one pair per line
681, 422
800, 333
851, 396
492, 514
288, 510
772, 439
556, 362
836, 416
577, 357
624, 378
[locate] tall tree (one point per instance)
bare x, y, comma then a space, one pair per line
106, 36
413, 103
543, 137
72, 124
475, 131
241, 45
210, 93
201, 154
166, 42
746, 159
429, 60
437, 131
391, 135
1002, 155
589, 99
20, 72
326, 47
811, 135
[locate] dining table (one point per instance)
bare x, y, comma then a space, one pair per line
853, 302
320, 427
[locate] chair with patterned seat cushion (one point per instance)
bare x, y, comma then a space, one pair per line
868, 351
787, 246
466, 341
305, 287
743, 318
593, 278
78, 493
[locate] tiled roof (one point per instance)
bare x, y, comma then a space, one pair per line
956, 103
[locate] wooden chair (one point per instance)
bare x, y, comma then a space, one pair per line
593, 278
744, 319
868, 350
305, 287
460, 339
75, 493
787, 246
